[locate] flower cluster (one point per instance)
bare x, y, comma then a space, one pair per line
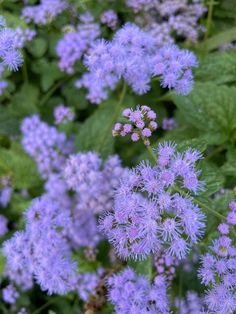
23, 35
141, 124
131, 293
163, 18
131, 52
10, 56
110, 18
192, 304
44, 12
75, 43
165, 265
152, 211
45, 144
10, 294
94, 182
25, 251
63, 114
218, 269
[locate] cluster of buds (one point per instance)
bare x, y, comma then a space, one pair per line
141, 124
166, 265
63, 114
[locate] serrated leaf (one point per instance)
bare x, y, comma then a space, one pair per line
229, 168
19, 166
209, 108
213, 178
96, 132
218, 67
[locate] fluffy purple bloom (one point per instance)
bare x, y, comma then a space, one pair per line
192, 304
87, 283
63, 114
5, 196
75, 43
44, 12
141, 124
131, 293
23, 35
3, 225
110, 18
45, 144
218, 272
131, 52
10, 294
147, 216
165, 265
163, 18
25, 251
10, 56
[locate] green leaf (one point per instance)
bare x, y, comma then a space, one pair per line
19, 166
219, 40
143, 267
24, 102
213, 178
209, 108
9, 122
37, 47
2, 264
84, 265
96, 132
218, 67
229, 168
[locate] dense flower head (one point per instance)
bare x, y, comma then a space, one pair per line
25, 251
165, 265
10, 56
192, 304
149, 214
76, 42
87, 283
45, 144
131, 293
63, 114
44, 12
163, 18
218, 271
95, 182
131, 52
141, 124
110, 18
10, 294
23, 35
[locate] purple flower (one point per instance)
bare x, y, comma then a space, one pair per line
132, 293
131, 52
140, 124
110, 18
63, 114
75, 43
3, 225
10, 294
44, 12
147, 216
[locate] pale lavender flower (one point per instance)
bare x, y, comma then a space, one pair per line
3, 225
110, 18
63, 114
10, 294
140, 224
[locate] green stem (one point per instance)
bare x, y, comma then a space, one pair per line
51, 301
209, 18
202, 205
